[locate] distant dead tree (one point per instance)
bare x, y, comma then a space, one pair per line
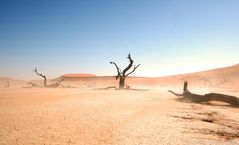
122, 75
54, 85
7, 85
41, 75
187, 95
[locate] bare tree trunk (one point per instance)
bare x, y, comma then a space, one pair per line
45, 85
122, 82
185, 87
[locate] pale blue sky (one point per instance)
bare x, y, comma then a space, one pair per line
78, 36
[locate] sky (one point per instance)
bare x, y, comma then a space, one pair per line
166, 37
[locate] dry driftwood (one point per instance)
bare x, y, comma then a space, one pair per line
232, 100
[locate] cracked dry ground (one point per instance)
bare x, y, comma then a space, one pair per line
101, 117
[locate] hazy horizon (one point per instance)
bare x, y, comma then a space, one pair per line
165, 37
36, 77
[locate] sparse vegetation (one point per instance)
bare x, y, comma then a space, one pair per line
123, 75
54, 85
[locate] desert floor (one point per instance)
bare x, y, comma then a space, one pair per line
100, 117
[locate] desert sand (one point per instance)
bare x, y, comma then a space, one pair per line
88, 114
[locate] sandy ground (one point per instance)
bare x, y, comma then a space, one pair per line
87, 115
100, 117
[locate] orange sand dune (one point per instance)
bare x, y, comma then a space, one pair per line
211, 80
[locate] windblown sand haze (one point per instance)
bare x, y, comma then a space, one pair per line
89, 114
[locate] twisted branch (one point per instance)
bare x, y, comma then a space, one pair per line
135, 67
129, 66
118, 70
39, 74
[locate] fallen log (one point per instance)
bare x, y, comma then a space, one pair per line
187, 95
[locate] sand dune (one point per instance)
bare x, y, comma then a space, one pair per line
86, 115
215, 80
12, 82
212, 80
78, 75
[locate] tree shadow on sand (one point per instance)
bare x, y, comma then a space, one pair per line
187, 96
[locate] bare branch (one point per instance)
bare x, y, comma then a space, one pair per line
129, 66
176, 94
135, 67
39, 74
118, 70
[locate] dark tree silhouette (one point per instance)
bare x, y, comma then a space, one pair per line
187, 95
54, 85
122, 75
41, 75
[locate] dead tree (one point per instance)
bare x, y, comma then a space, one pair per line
122, 75
54, 85
41, 75
187, 95
7, 85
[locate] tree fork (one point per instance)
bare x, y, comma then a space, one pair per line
123, 75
